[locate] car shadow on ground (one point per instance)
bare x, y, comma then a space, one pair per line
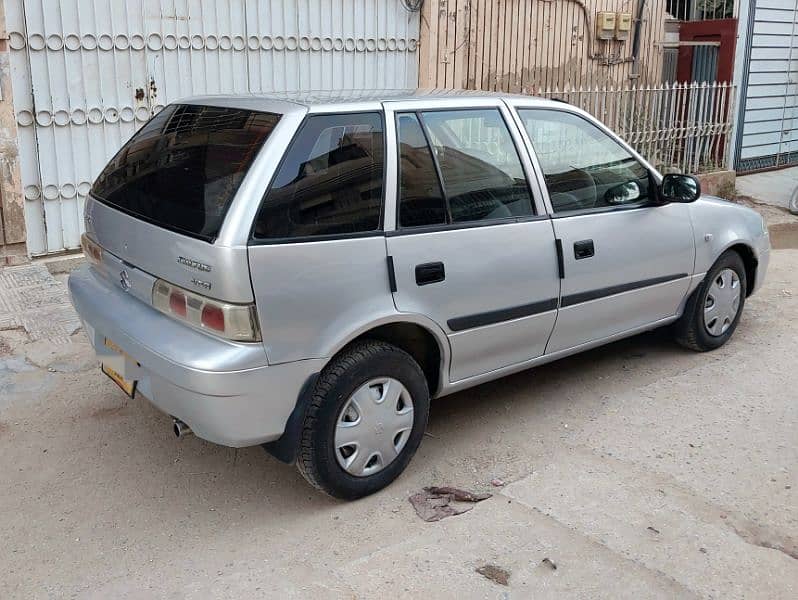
547, 382
191, 468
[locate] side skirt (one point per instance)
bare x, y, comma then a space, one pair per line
456, 386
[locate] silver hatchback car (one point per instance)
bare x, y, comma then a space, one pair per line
305, 271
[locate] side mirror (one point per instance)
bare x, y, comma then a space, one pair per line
676, 187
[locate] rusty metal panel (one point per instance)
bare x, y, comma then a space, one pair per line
26, 138
12, 218
87, 74
530, 46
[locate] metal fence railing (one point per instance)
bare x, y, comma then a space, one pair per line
677, 127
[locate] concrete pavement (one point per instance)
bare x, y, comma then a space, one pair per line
638, 470
771, 187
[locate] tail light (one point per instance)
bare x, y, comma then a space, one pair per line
93, 251
237, 322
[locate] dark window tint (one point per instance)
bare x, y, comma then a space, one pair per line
584, 167
421, 201
330, 181
183, 168
482, 174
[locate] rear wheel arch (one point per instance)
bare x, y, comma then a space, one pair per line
381, 432
397, 329
428, 348
419, 342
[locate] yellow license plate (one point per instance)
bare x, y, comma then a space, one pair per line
127, 386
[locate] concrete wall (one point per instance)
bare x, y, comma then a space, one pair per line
532, 45
12, 217
719, 183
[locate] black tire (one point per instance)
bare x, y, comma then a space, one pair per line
353, 367
690, 330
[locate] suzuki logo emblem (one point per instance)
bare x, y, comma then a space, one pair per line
124, 280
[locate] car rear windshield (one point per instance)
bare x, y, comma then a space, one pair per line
183, 168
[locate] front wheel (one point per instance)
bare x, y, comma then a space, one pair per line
365, 420
713, 311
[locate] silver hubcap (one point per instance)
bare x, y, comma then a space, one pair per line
722, 303
373, 426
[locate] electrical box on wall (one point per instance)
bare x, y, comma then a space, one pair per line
623, 25
605, 25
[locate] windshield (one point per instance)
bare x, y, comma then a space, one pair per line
183, 168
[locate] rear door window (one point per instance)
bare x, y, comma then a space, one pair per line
459, 166
182, 169
330, 181
421, 200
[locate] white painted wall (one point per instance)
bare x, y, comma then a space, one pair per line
87, 73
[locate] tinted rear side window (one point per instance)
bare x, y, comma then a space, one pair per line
330, 181
459, 166
421, 200
183, 168
482, 174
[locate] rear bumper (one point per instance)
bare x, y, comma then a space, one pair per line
225, 391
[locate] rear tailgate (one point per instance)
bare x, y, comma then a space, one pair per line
189, 262
159, 204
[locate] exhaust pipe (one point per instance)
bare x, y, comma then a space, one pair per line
181, 429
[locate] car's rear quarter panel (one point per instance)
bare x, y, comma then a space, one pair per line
311, 295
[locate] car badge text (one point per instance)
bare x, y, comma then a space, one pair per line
193, 264
200, 283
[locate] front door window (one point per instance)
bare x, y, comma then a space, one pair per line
584, 168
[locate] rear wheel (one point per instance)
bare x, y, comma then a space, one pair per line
365, 420
713, 311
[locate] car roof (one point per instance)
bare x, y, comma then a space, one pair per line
331, 100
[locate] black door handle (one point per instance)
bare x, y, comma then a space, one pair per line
584, 249
430, 273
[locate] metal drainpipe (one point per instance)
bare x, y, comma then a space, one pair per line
636, 41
